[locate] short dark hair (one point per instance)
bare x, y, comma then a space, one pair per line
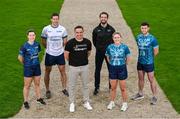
30, 30
78, 27
116, 33
104, 13
54, 14
145, 24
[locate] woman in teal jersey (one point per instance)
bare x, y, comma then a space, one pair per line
118, 56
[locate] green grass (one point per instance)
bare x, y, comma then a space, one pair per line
17, 16
163, 16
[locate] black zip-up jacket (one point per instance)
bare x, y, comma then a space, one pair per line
102, 37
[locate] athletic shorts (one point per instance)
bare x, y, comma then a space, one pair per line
30, 71
53, 60
118, 72
145, 67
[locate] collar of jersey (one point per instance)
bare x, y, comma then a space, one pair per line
53, 26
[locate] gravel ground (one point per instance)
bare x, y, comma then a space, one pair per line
85, 13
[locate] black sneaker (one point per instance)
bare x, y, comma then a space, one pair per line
26, 105
65, 92
153, 100
137, 97
41, 101
96, 91
48, 94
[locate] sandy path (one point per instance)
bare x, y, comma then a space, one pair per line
85, 13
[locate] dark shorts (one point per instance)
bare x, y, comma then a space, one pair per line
53, 60
30, 71
118, 72
145, 67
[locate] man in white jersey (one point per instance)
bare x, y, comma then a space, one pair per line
54, 37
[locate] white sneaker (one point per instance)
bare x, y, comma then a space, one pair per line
111, 105
124, 106
87, 106
72, 107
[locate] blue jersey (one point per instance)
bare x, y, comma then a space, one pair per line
30, 53
117, 54
146, 45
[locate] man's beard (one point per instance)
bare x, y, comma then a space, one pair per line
103, 23
55, 24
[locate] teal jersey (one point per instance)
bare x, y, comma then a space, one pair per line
146, 45
117, 54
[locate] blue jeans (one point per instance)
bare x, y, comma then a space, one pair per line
99, 58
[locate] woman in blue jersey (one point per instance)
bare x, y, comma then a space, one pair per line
28, 56
118, 56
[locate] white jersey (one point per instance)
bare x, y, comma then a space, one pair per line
54, 38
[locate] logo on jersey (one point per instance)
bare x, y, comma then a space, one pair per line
59, 31
108, 30
80, 47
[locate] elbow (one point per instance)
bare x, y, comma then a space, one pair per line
156, 53
128, 60
19, 58
43, 42
66, 56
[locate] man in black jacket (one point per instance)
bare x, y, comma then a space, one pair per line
102, 37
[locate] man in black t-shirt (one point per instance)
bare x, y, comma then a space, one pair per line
102, 37
76, 52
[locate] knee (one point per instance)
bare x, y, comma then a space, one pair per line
151, 76
62, 69
113, 88
141, 79
48, 70
151, 79
123, 89
27, 87
37, 84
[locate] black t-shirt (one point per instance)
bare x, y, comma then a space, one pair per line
78, 51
